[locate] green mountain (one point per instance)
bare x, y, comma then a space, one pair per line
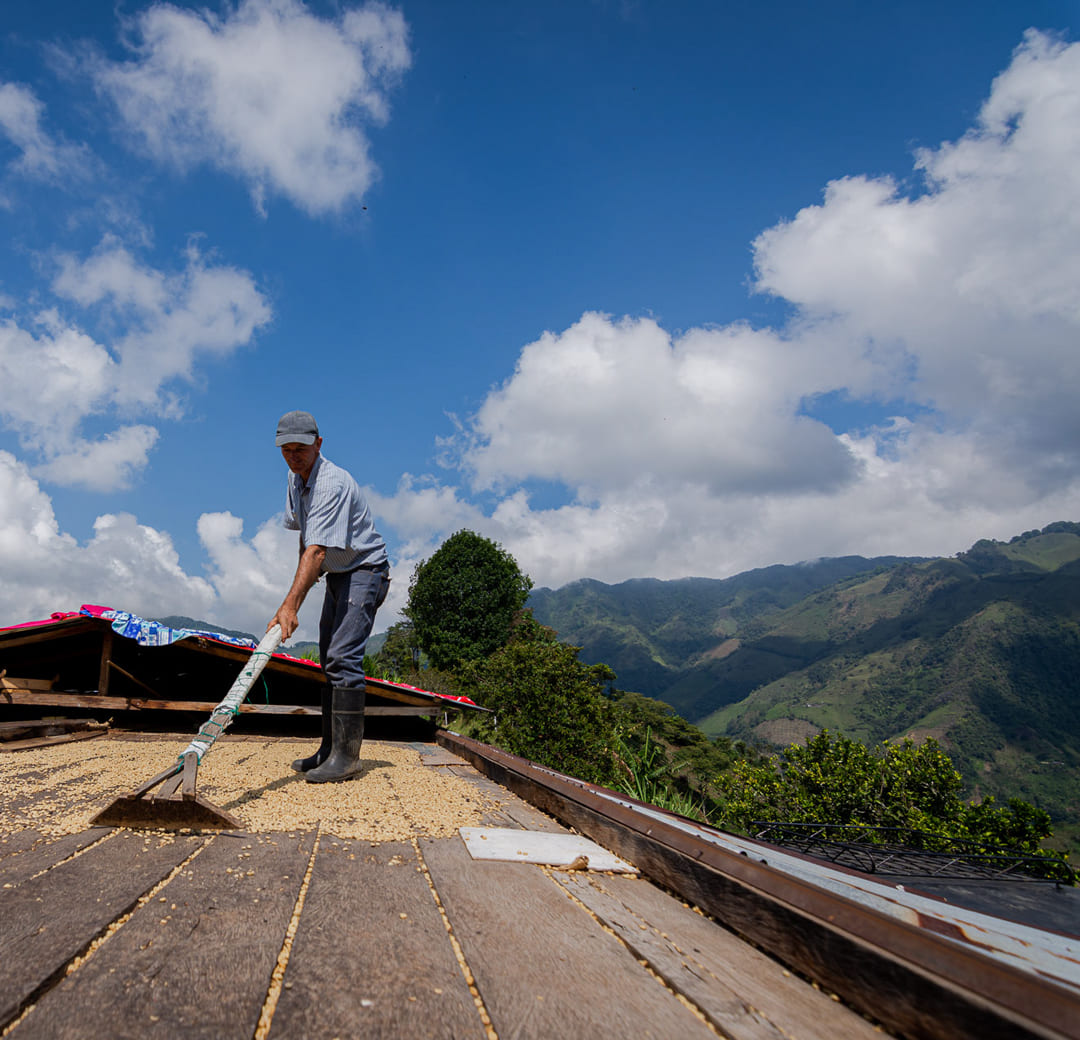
981, 651
180, 621
657, 635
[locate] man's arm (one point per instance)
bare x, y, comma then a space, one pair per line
308, 568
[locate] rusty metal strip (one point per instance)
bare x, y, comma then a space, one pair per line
915, 982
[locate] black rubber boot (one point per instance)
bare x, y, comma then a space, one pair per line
302, 765
348, 732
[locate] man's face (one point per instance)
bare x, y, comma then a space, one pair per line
301, 457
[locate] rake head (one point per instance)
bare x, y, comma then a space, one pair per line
175, 807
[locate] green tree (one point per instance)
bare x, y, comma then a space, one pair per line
463, 601
545, 706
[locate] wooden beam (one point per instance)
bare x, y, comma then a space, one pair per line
404, 709
103, 672
90, 700
11, 683
58, 630
60, 738
240, 654
93, 700
47, 727
138, 682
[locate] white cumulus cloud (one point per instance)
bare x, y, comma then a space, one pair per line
102, 465
57, 376
124, 564
41, 155
168, 321
606, 403
253, 576
266, 91
953, 299
974, 279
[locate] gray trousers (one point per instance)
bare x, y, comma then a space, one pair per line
348, 614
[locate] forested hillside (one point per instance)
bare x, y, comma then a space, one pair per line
655, 634
981, 651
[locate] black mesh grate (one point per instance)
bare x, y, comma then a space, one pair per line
895, 852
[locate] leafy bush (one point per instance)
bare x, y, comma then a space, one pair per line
834, 780
546, 706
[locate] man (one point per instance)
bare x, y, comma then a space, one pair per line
338, 539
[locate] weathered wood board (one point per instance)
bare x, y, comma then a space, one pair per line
28, 852
433, 755
42, 698
47, 727
745, 994
196, 960
531, 819
19, 841
371, 956
38, 742
512, 811
540, 960
48, 920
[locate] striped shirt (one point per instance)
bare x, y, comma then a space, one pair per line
329, 510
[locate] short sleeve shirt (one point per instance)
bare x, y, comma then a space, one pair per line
329, 510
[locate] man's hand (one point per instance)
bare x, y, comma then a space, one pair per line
288, 621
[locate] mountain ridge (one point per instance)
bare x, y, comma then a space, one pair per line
980, 650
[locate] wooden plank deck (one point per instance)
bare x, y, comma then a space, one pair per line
305, 934
47, 921
371, 956
542, 964
197, 957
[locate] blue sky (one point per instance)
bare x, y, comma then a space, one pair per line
636, 289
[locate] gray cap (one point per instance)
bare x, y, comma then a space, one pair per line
297, 428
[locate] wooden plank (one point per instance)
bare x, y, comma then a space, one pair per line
524, 815
35, 852
745, 994
371, 955
433, 755
48, 920
60, 738
511, 810
405, 709
64, 700
541, 963
92, 700
103, 670
19, 841
44, 727
239, 655
138, 682
197, 960
61, 629
9, 682
381, 688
